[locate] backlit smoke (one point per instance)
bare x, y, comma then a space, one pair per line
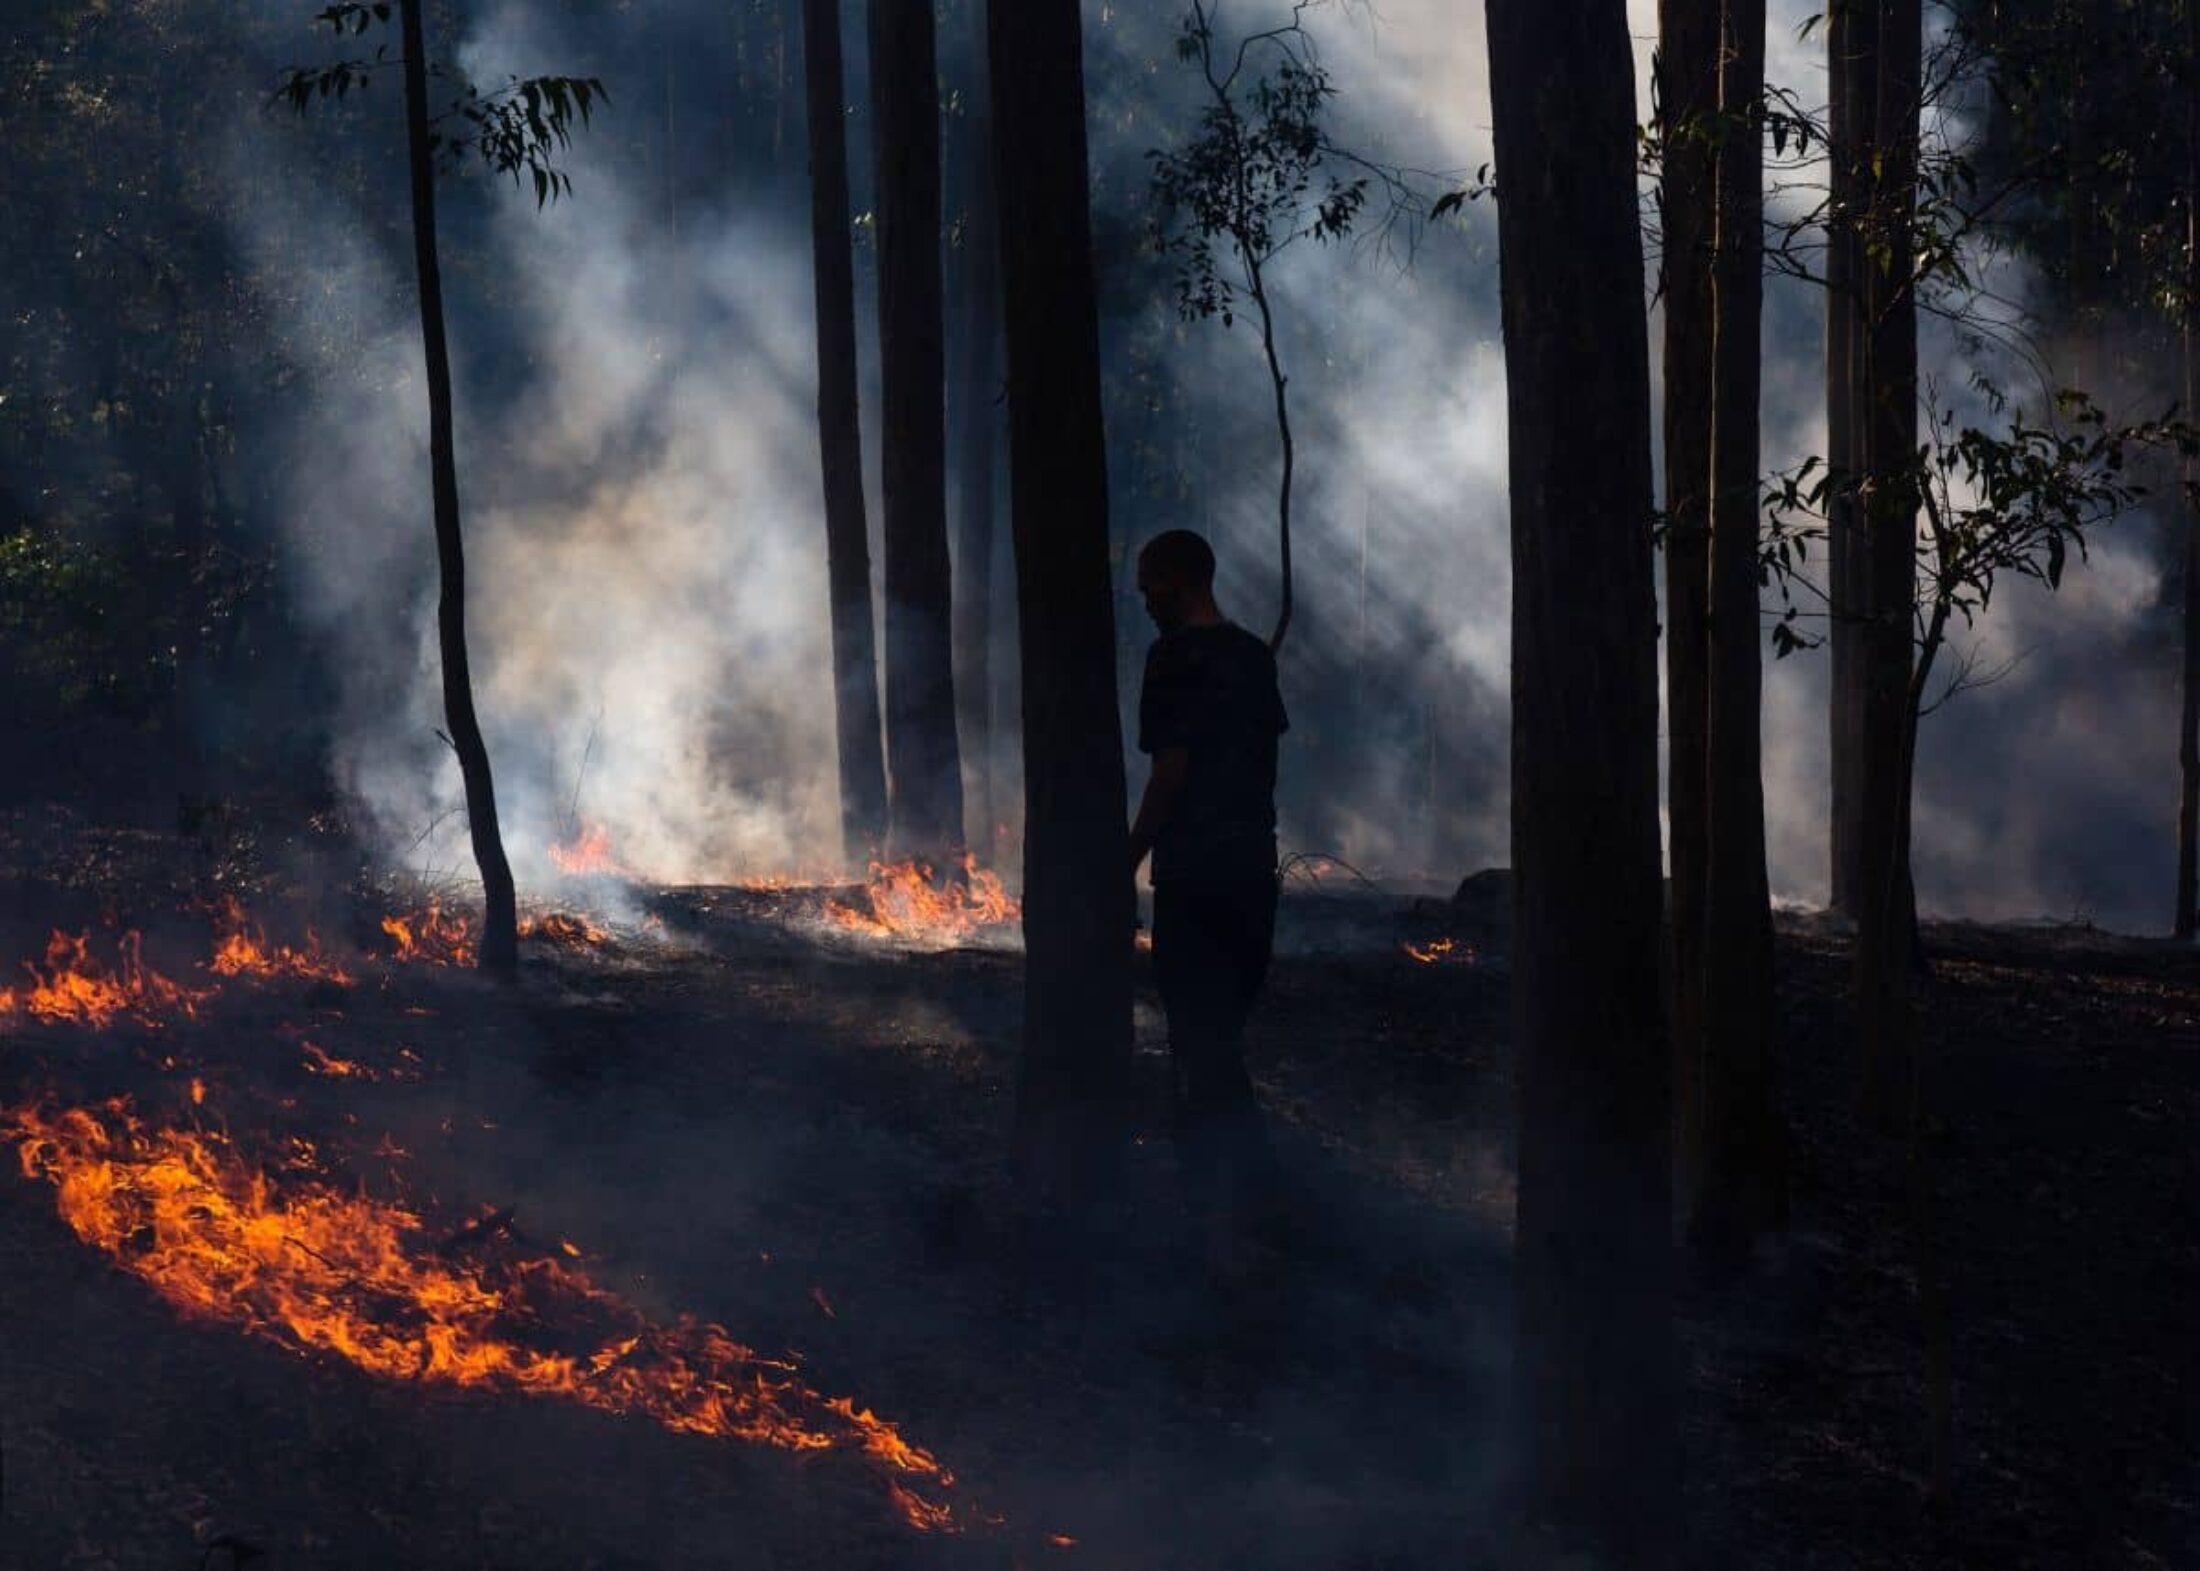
638, 448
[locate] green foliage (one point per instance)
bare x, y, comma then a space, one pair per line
1255, 176
516, 129
2016, 502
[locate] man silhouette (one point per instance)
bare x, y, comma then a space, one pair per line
1209, 716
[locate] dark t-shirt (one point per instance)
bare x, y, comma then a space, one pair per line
1212, 691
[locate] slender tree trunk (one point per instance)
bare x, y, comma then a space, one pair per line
924, 767
1688, 91
500, 917
186, 466
1884, 911
2188, 732
1078, 899
1595, 1356
1744, 1191
1851, 67
840, 443
1281, 385
979, 383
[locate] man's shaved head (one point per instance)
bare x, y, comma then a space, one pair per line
1181, 555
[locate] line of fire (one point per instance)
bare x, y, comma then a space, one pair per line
1041, 785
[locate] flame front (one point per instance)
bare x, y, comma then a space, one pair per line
587, 854
76, 989
909, 900
431, 936
1438, 950
319, 1268
243, 950
561, 927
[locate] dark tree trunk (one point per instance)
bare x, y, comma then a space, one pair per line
1744, 1189
840, 443
2188, 730
1884, 914
500, 917
1688, 92
924, 769
979, 385
1596, 1364
1078, 899
186, 467
1852, 70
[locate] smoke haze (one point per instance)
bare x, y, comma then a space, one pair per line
638, 456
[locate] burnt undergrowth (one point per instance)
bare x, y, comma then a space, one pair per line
734, 1112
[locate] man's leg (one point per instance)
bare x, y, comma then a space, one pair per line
1194, 967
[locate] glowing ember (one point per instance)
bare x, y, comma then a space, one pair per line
309, 1264
1439, 950
587, 854
320, 1061
910, 901
245, 951
431, 936
76, 989
559, 927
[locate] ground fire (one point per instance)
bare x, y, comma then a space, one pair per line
244, 950
77, 988
587, 854
431, 936
314, 1265
913, 902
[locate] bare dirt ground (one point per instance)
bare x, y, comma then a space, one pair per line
797, 1135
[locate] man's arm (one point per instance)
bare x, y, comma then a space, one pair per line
1163, 786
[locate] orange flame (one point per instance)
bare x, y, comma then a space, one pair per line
587, 854
75, 989
1438, 950
245, 951
319, 1060
910, 901
322, 1268
559, 927
432, 937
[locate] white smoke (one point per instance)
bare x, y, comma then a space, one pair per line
647, 549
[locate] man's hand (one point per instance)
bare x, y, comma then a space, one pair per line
1163, 786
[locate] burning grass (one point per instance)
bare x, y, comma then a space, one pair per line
244, 950
564, 928
913, 902
431, 936
75, 987
588, 854
307, 1263
1439, 951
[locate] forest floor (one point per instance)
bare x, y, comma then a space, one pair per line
739, 1115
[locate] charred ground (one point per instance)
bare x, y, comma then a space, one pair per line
797, 1135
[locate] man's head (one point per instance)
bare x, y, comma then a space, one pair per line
1176, 576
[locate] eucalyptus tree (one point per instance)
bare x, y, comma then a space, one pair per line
1079, 903
840, 444
516, 130
1596, 1369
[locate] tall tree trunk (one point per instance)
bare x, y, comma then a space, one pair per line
1885, 913
2188, 731
500, 917
924, 769
1078, 900
1688, 93
1595, 1356
840, 443
1852, 70
978, 382
1744, 1181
